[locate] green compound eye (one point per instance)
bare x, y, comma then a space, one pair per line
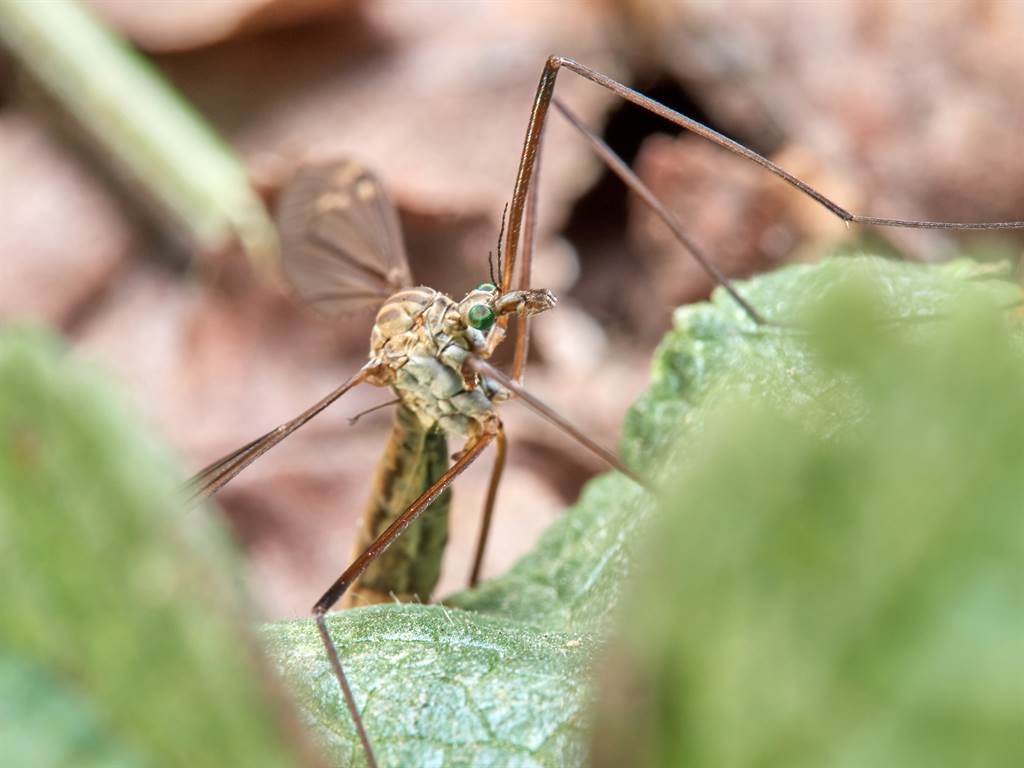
487, 287
481, 317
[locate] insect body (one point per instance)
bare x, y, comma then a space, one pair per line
343, 251
419, 347
420, 344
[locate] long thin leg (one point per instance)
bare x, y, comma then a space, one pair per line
528, 163
619, 167
484, 368
355, 570
211, 479
526, 264
500, 444
542, 100
518, 368
736, 148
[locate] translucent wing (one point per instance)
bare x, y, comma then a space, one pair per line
340, 240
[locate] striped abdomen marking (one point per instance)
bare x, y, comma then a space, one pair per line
409, 569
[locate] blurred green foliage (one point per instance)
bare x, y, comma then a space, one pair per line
122, 639
835, 576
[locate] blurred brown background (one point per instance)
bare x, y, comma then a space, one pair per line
911, 110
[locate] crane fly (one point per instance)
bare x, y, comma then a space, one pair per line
342, 251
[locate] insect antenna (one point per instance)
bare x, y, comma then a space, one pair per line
501, 234
353, 420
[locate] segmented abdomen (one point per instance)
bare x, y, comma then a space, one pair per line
414, 458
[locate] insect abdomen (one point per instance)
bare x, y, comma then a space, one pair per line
414, 458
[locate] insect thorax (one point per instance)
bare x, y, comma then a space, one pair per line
422, 344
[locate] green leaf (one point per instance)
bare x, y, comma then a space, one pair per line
566, 583
121, 642
834, 578
46, 725
442, 687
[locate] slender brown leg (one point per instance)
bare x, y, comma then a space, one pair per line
522, 345
527, 163
535, 128
538, 406
619, 167
501, 445
215, 476
518, 367
355, 570
522, 220
526, 265
736, 148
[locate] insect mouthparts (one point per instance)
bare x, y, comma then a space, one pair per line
528, 302
541, 300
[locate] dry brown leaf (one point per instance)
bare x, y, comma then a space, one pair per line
63, 234
181, 26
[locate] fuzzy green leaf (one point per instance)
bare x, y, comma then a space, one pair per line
120, 641
835, 576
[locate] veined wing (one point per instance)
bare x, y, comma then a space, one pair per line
341, 244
